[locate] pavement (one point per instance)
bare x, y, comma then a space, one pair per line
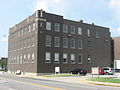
76, 79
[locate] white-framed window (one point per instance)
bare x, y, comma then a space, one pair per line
57, 27
20, 58
65, 58
56, 58
88, 32
72, 43
65, 28
79, 44
29, 28
97, 34
72, 58
48, 40
72, 29
57, 41
24, 60
33, 58
48, 25
25, 44
47, 57
33, 26
21, 44
80, 59
29, 41
79, 31
33, 40
21, 32
65, 43
28, 57
89, 58
17, 59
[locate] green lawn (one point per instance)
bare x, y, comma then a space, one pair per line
110, 80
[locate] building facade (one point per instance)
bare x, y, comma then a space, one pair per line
116, 52
44, 41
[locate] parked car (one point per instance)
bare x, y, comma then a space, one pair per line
79, 71
108, 70
101, 71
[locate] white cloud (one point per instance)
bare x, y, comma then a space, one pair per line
115, 3
41, 5
118, 29
4, 38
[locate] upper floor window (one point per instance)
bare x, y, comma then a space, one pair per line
79, 43
72, 43
80, 58
65, 43
48, 25
48, 40
57, 27
24, 58
47, 57
89, 43
21, 32
57, 41
33, 26
65, 28
72, 29
64, 57
20, 58
88, 32
29, 28
79, 31
56, 58
97, 34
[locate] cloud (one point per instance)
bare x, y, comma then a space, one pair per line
115, 5
4, 38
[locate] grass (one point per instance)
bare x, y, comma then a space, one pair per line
60, 75
110, 80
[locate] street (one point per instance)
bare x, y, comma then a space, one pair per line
8, 82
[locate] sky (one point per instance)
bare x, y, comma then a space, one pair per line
101, 12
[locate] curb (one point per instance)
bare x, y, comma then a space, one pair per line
103, 84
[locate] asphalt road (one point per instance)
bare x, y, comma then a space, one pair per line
8, 82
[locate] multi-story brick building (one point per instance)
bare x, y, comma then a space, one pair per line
44, 41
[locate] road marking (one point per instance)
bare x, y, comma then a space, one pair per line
54, 88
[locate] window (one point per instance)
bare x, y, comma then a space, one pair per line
79, 44
24, 43
72, 29
33, 57
79, 31
88, 32
97, 34
28, 58
72, 43
89, 58
21, 32
57, 42
72, 58
79, 58
29, 42
48, 40
29, 28
56, 58
47, 57
18, 33
48, 25
24, 60
33, 40
89, 43
65, 28
20, 58
21, 44
64, 58
17, 59
33, 26
57, 27
65, 43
